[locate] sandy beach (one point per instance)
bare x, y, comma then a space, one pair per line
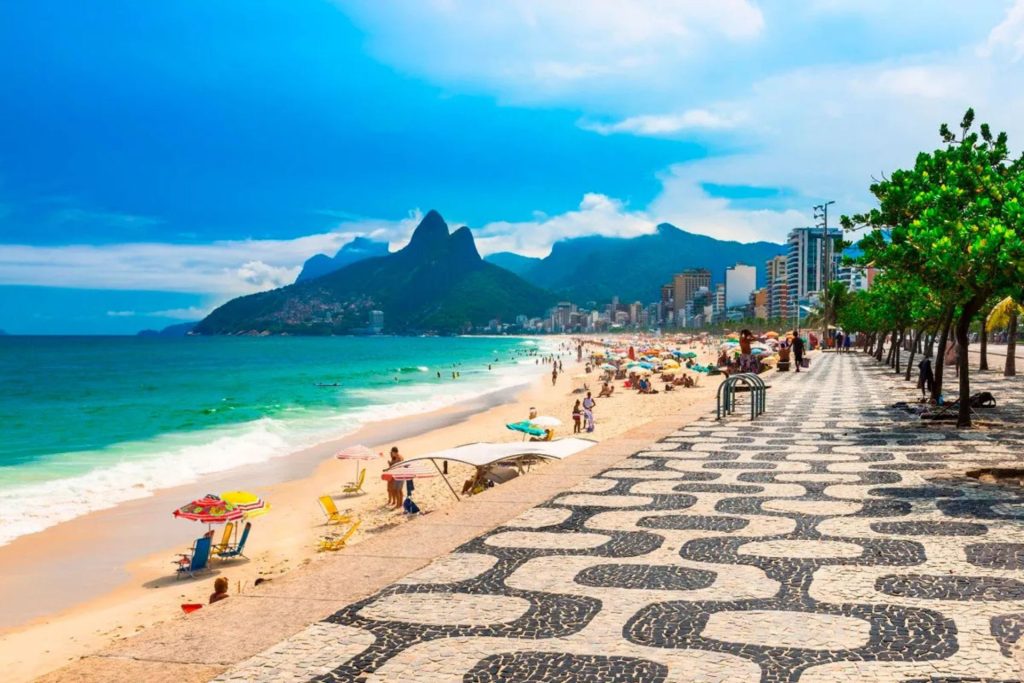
121, 558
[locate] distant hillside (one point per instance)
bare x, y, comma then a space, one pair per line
437, 283
597, 268
357, 250
179, 330
515, 263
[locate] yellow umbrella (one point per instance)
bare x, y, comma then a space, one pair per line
252, 504
671, 363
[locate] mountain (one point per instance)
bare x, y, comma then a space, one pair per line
596, 268
179, 330
512, 262
437, 283
357, 250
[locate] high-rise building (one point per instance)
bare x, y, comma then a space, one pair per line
686, 284
778, 286
740, 281
718, 302
376, 321
759, 303
804, 272
635, 309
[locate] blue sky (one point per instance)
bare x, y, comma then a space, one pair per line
159, 158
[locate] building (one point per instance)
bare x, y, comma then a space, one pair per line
718, 302
635, 309
778, 286
740, 282
376, 322
804, 272
760, 300
686, 284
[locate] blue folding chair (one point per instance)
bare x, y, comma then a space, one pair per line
198, 561
237, 550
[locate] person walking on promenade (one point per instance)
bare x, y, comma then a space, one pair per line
798, 349
925, 376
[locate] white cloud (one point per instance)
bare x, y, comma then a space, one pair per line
1008, 36
190, 313
664, 124
120, 314
221, 269
532, 50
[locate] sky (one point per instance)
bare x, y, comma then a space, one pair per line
158, 159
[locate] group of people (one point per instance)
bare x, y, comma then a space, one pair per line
397, 497
583, 414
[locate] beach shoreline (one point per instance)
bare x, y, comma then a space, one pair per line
128, 588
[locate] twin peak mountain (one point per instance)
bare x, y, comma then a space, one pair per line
438, 282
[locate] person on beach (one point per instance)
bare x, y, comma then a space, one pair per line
394, 487
925, 376
588, 412
220, 590
577, 416
746, 337
554, 375
798, 349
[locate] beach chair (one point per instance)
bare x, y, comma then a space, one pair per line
197, 561
329, 543
357, 485
236, 550
225, 540
331, 510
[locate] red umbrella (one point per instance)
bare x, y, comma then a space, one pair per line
357, 453
419, 469
211, 510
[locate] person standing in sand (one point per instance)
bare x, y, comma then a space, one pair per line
394, 487
577, 415
588, 412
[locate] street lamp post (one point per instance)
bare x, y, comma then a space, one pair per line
821, 214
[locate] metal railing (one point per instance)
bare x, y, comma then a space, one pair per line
727, 394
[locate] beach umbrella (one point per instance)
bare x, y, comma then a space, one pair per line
671, 364
357, 453
772, 334
643, 371
526, 428
250, 504
546, 421
689, 354
211, 510
608, 367
420, 469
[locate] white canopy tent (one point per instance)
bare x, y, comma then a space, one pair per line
485, 454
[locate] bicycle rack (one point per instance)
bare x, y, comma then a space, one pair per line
727, 394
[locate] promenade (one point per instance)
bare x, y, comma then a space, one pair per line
833, 539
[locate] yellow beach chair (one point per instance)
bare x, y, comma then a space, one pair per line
331, 510
328, 543
225, 539
357, 485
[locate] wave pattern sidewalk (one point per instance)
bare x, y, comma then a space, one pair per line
826, 541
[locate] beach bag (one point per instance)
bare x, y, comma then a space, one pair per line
410, 507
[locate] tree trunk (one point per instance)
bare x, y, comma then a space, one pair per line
881, 347
940, 356
899, 350
963, 332
913, 351
1010, 369
930, 347
983, 341
894, 344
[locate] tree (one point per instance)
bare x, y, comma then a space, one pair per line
1005, 315
955, 222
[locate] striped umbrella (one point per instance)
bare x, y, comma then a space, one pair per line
357, 453
420, 469
211, 510
250, 504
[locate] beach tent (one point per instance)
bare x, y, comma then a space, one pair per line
484, 454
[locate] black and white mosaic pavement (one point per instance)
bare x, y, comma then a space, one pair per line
828, 540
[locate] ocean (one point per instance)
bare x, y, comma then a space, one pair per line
90, 422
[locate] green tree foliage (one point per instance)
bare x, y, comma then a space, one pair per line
951, 226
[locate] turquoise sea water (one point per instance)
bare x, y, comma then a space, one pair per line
99, 420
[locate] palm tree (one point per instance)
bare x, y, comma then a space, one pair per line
1005, 314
